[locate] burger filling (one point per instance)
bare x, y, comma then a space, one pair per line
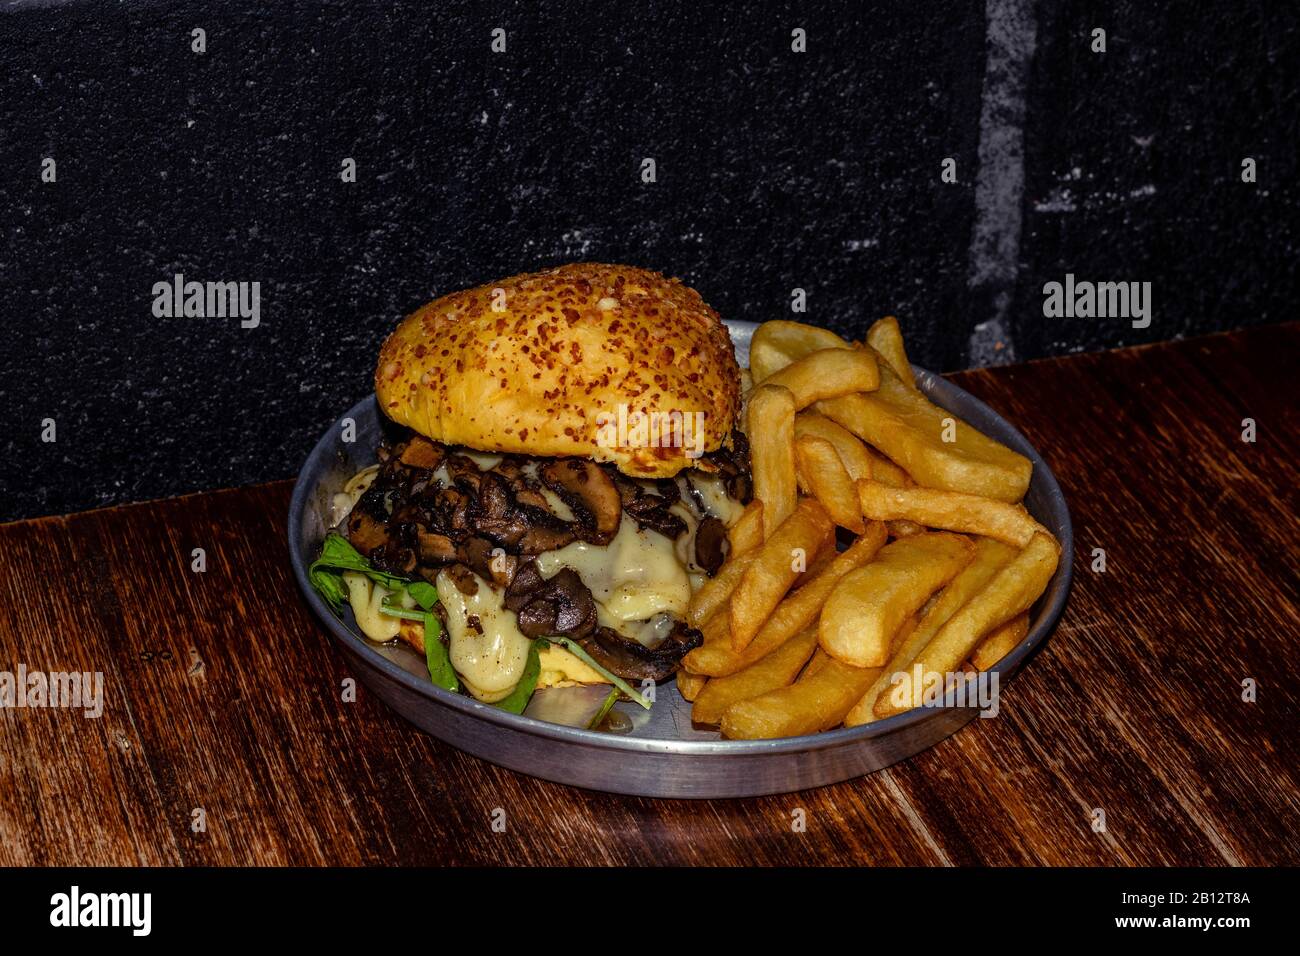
520, 548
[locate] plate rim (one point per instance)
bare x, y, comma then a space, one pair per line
1038, 632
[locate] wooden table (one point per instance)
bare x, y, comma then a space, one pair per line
223, 694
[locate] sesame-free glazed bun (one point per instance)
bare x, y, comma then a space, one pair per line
569, 347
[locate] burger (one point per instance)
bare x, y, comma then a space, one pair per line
564, 470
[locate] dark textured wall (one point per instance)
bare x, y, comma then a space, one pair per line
775, 170
1134, 162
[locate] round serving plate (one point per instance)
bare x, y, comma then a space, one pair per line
662, 754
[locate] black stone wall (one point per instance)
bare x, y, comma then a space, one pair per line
775, 170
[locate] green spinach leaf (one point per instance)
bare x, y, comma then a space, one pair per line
326, 576
610, 699
435, 655
424, 593
523, 692
337, 555
574, 648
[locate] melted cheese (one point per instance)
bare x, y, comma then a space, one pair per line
650, 633
559, 668
344, 501
641, 581
713, 492
491, 662
367, 598
684, 545
486, 461
553, 501
634, 578
558, 506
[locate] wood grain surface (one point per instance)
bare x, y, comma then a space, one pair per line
223, 694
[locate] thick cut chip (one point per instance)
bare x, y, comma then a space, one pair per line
989, 556
816, 701
796, 612
823, 475
778, 343
769, 419
1000, 642
887, 339
776, 566
949, 510
869, 605
932, 445
777, 669
827, 373
1011, 591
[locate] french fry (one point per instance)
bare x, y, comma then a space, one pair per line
746, 533
887, 473
816, 701
854, 455
860, 460
868, 605
773, 570
903, 529
825, 477
989, 557
1000, 642
714, 592
821, 657
884, 336
827, 373
777, 669
689, 685
770, 428
798, 611
816, 663
911, 431
949, 510
824, 555
778, 343
1011, 592
933, 598
789, 652
716, 630
904, 631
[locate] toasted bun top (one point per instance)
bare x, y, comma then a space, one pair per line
540, 364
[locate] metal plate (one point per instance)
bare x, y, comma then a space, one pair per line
662, 755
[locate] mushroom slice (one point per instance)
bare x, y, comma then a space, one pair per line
562, 605
365, 533
463, 471
493, 496
436, 548
589, 492
651, 512
633, 661
419, 452
488, 561
710, 541
544, 533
